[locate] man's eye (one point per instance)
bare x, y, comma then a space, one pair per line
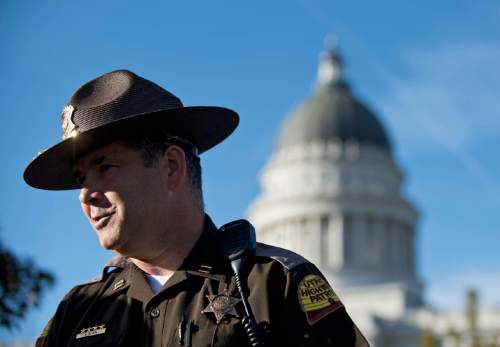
105, 167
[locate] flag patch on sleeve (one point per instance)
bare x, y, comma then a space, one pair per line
317, 298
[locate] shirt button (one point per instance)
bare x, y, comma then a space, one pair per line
155, 312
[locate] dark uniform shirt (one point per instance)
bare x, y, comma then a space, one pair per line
201, 306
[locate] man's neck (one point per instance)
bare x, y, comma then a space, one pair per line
170, 256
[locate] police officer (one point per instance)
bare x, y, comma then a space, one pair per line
132, 149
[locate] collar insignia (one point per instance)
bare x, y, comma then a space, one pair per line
222, 305
69, 128
95, 330
119, 284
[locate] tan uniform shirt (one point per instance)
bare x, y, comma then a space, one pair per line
200, 305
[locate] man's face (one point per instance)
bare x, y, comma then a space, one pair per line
124, 201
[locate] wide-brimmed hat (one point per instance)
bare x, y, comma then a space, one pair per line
117, 104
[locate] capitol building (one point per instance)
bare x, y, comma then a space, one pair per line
332, 191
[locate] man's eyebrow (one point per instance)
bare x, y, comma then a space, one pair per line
93, 162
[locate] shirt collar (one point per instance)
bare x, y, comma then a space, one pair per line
203, 260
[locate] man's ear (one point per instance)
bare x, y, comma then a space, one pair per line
173, 165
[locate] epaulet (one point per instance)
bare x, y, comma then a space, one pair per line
287, 258
92, 280
116, 263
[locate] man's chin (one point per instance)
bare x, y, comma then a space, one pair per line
110, 245
115, 247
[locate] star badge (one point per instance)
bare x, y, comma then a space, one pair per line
221, 305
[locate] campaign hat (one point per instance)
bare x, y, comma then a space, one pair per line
119, 104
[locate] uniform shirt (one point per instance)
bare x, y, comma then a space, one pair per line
200, 305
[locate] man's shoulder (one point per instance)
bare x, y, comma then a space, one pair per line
93, 285
110, 276
288, 259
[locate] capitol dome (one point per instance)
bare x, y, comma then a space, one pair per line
332, 113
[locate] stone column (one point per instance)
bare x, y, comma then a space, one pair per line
336, 243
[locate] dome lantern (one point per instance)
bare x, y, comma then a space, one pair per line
332, 112
330, 65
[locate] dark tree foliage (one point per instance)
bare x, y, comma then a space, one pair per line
21, 285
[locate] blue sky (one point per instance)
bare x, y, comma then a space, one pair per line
429, 69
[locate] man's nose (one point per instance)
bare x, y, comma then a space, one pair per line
89, 196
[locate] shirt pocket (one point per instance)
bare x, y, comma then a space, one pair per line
226, 333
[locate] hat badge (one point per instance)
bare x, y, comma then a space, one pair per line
69, 128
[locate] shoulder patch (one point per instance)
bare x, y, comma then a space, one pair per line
285, 257
317, 299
